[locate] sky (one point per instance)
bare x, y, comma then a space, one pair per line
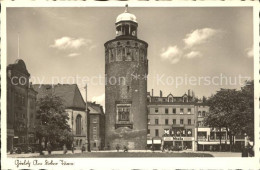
189, 47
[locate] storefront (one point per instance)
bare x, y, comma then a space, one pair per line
181, 143
154, 143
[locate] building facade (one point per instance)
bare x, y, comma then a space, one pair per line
75, 107
171, 121
178, 121
96, 126
21, 106
126, 68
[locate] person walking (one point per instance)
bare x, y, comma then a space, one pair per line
125, 149
64, 149
83, 148
49, 147
117, 147
72, 147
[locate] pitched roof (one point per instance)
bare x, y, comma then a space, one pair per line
95, 108
69, 93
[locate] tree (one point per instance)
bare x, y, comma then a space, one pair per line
222, 107
233, 110
52, 126
247, 109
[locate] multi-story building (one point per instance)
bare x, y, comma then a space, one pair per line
96, 126
171, 121
74, 106
21, 105
178, 121
126, 69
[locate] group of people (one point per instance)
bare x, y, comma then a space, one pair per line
65, 150
125, 149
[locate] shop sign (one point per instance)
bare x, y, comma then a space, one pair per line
168, 138
156, 141
188, 138
183, 138
149, 142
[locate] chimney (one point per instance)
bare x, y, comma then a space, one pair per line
152, 92
160, 93
189, 93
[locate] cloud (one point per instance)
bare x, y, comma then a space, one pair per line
172, 54
99, 99
92, 47
193, 54
70, 43
250, 52
72, 55
199, 36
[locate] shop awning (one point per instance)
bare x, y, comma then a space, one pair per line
149, 142
156, 141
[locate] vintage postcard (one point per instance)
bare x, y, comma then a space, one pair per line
85, 84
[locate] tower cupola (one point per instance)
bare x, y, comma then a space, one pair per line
126, 24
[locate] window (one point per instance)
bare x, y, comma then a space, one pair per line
148, 131
94, 130
174, 121
181, 111
189, 132
181, 121
94, 120
156, 110
166, 110
156, 121
189, 111
189, 121
170, 99
156, 132
166, 121
203, 114
199, 113
78, 124
123, 113
148, 122
174, 111
199, 123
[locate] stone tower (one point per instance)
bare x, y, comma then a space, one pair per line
126, 69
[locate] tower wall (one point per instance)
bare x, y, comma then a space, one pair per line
126, 69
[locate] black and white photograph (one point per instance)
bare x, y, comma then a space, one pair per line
128, 80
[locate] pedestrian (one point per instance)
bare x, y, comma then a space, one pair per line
125, 149
64, 149
117, 147
49, 147
72, 147
40, 149
83, 148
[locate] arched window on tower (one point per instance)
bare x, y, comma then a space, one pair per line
78, 124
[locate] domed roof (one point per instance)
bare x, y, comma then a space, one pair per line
126, 16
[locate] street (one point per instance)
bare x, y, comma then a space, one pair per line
133, 153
